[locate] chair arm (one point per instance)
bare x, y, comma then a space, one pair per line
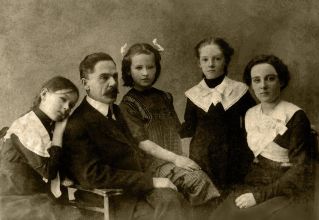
101, 192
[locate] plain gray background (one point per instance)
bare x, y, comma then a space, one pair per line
40, 39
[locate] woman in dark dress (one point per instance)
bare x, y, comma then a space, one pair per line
31, 153
214, 116
279, 184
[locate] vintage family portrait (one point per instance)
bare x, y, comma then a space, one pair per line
159, 110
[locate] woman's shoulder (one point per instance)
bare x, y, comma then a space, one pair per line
288, 106
253, 111
298, 117
284, 111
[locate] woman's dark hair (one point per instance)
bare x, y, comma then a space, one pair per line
55, 84
139, 48
88, 63
280, 67
226, 49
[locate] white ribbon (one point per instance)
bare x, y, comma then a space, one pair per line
159, 47
123, 49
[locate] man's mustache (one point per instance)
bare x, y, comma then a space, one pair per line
111, 91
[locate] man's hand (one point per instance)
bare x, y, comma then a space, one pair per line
163, 183
245, 200
186, 163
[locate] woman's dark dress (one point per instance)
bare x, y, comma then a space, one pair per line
218, 136
283, 189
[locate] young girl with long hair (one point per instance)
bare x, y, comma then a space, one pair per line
31, 155
152, 120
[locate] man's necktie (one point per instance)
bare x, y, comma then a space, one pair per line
109, 114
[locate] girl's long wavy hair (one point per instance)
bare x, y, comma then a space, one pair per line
55, 84
139, 48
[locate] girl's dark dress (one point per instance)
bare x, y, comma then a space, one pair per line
214, 116
28, 171
150, 115
281, 177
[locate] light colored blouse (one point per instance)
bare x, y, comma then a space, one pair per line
262, 129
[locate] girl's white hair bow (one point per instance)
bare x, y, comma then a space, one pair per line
123, 49
159, 47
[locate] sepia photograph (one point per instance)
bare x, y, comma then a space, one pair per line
159, 110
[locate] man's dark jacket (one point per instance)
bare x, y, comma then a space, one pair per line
101, 153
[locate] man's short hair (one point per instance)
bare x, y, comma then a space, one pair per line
88, 63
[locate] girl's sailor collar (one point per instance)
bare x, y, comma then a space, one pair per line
228, 92
31, 133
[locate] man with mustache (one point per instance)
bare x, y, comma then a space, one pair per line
101, 153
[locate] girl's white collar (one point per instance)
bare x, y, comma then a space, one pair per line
228, 92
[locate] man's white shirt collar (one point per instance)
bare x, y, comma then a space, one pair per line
101, 107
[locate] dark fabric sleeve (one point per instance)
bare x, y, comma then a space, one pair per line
296, 140
134, 120
45, 166
189, 126
87, 166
